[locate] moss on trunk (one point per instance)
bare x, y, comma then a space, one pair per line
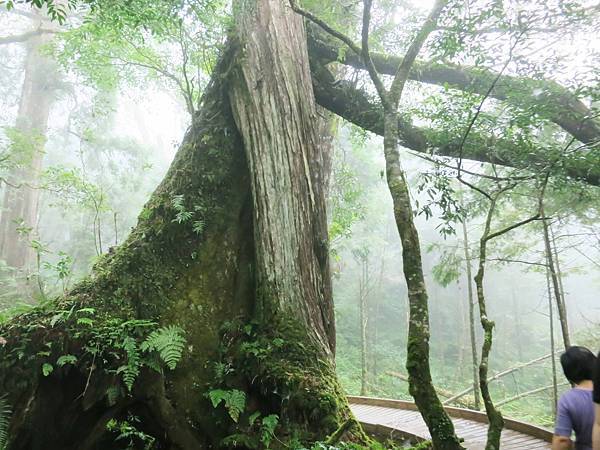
72, 366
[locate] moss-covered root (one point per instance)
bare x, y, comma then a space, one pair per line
350, 428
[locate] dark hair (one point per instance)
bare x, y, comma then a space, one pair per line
578, 364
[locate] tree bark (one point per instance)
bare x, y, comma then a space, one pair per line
250, 288
473, 339
496, 421
363, 309
21, 195
276, 113
562, 310
552, 345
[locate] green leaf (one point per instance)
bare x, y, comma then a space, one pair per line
5, 413
66, 359
267, 432
234, 400
217, 396
169, 342
132, 369
253, 417
85, 321
47, 369
236, 404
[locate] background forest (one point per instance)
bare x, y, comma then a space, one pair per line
112, 100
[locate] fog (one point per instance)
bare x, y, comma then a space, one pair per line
105, 151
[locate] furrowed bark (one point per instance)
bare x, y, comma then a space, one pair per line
276, 113
274, 109
255, 276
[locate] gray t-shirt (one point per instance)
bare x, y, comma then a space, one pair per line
575, 412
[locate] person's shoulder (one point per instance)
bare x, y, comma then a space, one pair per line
574, 394
565, 398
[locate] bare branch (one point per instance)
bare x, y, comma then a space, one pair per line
24, 37
565, 109
413, 51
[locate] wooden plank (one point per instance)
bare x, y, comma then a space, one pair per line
402, 417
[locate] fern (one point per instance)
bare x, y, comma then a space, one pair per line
169, 342
5, 413
132, 369
234, 400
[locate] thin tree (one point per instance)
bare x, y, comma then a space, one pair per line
21, 191
552, 344
561, 308
496, 421
417, 363
473, 339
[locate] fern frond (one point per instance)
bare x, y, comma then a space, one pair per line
5, 413
132, 369
169, 342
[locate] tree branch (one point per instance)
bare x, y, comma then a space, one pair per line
24, 37
565, 109
528, 393
405, 66
359, 108
500, 375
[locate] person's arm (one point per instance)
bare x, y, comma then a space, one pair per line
562, 443
563, 427
596, 432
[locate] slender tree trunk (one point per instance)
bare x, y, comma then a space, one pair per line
364, 324
377, 309
559, 274
562, 311
552, 344
518, 325
496, 422
21, 197
251, 290
417, 360
473, 338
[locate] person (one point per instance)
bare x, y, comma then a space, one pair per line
596, 431
575, 410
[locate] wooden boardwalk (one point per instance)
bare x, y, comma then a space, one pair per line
400, 419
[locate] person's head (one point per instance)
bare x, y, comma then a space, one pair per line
578, 364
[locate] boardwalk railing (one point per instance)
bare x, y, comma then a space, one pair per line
377, 415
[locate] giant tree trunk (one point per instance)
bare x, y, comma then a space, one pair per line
20, 203
250, 287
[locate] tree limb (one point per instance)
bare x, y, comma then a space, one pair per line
565, 109
359, 108
500, 375
24, 37
525, 394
